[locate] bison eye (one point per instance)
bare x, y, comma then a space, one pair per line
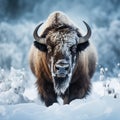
49, 49
73, 49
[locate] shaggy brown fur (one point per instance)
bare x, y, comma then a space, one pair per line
80, 84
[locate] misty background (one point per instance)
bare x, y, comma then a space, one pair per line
18, 19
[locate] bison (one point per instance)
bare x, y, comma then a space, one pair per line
62, 59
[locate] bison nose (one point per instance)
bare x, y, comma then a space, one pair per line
61, 70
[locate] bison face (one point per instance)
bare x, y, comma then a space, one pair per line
61, 57
61, 44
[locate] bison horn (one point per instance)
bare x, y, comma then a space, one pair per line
37, 37
87, 36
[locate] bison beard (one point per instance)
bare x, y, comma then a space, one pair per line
61, 84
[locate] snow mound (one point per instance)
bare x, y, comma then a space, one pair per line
12, 86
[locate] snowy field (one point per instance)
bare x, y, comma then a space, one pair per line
18, 102
18, 95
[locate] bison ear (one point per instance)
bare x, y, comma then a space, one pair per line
40, 46
82, 46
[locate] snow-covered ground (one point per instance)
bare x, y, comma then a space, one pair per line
18, 102
106, 108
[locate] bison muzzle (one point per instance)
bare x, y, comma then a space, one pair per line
62, 59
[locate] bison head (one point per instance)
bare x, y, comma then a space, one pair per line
62, 44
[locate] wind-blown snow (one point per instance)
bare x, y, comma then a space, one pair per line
17, 24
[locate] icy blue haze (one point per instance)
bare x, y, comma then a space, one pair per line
18, 18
